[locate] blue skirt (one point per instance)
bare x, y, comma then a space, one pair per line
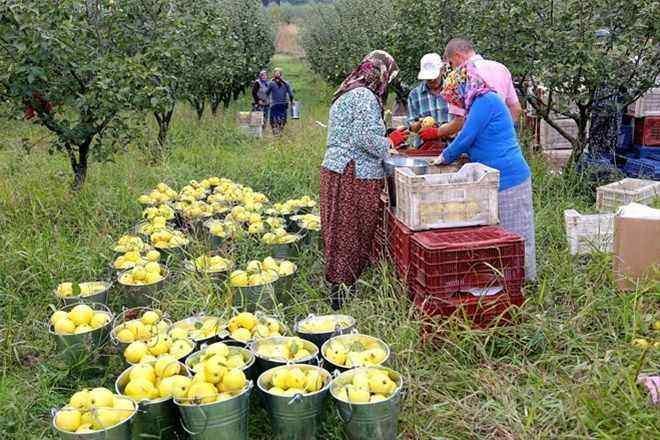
278, 113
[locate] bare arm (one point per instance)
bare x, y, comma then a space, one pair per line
452, 127
515, 109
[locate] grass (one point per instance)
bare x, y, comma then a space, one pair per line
566, 371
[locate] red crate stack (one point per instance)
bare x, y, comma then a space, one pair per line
647, 131
379, 245
399, 245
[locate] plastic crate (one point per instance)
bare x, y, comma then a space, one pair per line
645, 152
550, 139
447, 200
647, 105
647, 131
610, 197
399, 245
430, 149
589, 233
455, 260
625, 137
399, 121
643, 168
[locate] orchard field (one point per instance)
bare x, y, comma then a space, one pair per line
567, 370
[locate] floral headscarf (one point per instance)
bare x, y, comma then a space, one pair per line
375, 72
462, 85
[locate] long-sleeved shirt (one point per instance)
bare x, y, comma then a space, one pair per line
423, 103
488, 137
356, 132
279, 94
259, 92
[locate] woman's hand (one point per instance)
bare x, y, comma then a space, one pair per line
397, 137
439, 161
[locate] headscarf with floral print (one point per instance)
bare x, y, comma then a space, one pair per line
375, 72
461, 86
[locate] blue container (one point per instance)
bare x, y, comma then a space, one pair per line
625, 137
648, 152
643, 168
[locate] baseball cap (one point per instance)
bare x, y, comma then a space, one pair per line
430, 66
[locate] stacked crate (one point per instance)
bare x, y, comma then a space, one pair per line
380, 244
644, 162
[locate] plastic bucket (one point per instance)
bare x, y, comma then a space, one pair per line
254, 298
226, 420
321, 337
367, 421
120, 431
326, 344
157, 419
248, 357
97, 298
75, 348
140, 296
264, 364
295, 417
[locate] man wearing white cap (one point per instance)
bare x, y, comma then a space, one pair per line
426, 99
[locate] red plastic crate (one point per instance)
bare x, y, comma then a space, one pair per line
399, 244
447, 261
647, 131
428, 149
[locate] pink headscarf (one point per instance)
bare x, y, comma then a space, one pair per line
375, 72
461, 86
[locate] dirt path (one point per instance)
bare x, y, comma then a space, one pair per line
287, 41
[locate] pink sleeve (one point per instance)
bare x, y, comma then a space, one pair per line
456, 111
511, 95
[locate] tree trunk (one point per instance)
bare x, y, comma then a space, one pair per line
163, 119
200, 105
79, 163
215, 104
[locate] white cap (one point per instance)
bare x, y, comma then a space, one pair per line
430, 66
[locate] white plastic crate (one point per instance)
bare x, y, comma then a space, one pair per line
447, 200
550, 139
647, 105
398, 121
251, 123
589, 233
610, 197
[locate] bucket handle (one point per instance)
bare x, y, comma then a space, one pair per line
206, 424
350, 414
295, 399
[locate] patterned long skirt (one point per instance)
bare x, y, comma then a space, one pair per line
349, 216
517, 215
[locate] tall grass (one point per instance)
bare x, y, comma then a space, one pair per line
567, 370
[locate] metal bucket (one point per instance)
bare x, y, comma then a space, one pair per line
264, 364
75, 348
334, 366
217, 277
285, 251
129, 315
97, 298
158, 419
311, 237
417, 166
254, 298
249, 367
120, 431
295, 110
319, 338
226, 420
367, 421
140, 296
294, 417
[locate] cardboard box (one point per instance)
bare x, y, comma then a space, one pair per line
636, 246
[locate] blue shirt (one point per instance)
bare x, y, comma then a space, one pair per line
280, 94
488, 137
423, 103
356, 132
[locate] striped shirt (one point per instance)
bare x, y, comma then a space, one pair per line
423, 103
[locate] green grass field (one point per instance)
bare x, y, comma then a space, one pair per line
566, 371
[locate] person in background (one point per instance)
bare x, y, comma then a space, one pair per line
426, 99
458, 52
351, 176
489, 137
280, 94
260, 101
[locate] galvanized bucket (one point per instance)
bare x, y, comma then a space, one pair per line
285, 251
97, 298
311, 237
157, 419
334, 366
367, 421
74, 349
295, 110
226, 420
248, 357
319, 338
264, 364
140, 296
254, 298
217, 277
128, 315
120, 431
294, 417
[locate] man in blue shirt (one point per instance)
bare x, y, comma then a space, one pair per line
426, 99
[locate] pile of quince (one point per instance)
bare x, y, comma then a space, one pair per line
197, 210
190, 193
275, 222
352, 351
217, 359
132, 258
127, 243
258, 273
80, 319
246, 326
159, 379
161, 194
92, 410
222, 229
287, 349
168, 239
279, 236
164, 211
65, 290
308, 221
143, 275
212, 264
215, 383
324, 323
149, 324
368, 385
292, 380
157, 346
196, 328
153, 225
